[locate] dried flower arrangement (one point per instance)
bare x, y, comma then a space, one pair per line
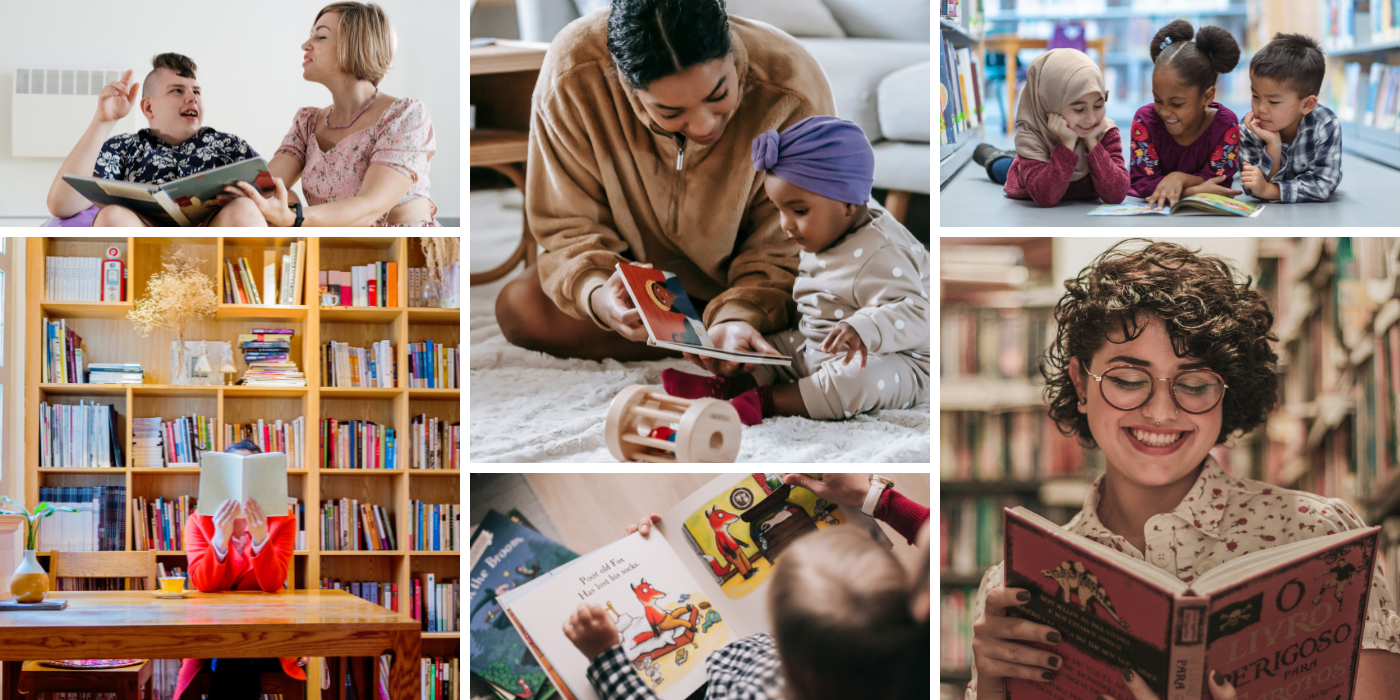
179, 294
442, 252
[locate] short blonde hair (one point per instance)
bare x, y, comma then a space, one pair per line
842, 623
366, 40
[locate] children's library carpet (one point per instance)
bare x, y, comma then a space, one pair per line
1366, 197
532, 407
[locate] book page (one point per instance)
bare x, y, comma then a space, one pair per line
667, 624
260, 477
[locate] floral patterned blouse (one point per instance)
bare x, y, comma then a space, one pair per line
1221, 518
1155, 153
402, 139
143, 157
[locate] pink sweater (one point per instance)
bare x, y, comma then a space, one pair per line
1048, 183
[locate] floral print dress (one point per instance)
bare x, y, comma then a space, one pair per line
402, 139
1155, 154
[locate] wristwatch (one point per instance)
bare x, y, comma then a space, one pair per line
296, 207
878, 484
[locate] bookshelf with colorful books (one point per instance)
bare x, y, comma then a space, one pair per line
107, 337
1362, 41
962, 86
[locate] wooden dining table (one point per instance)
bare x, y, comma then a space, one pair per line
137, 625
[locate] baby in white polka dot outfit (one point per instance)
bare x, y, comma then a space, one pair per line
862, 288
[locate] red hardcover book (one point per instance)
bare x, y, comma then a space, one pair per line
1281, 622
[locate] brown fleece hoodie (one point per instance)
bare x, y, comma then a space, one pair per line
605, 184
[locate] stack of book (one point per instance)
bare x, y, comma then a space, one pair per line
419, 293
160, 524
377, 592
434, 366
440, 679
277, 282
356, 444
437, 603
268, 353
434, 443
83, 436
187, 439
375, 284
98, 526
274, 436
434, 527
113, 373
147, 447
350, 526
344, 366
62, 362
73, 279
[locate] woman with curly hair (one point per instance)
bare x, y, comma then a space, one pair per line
1160, 355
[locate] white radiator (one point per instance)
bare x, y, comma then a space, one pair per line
53, 107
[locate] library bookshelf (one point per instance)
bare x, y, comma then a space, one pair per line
109, 337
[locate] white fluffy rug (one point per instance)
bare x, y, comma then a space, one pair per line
532, 407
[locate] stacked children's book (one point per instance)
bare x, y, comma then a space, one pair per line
344, 366
277, 282
115, 373
268, 353
375, 284
147, 443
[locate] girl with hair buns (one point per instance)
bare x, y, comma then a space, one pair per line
1185, 142
1066, 148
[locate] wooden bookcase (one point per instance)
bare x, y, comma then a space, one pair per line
109, 337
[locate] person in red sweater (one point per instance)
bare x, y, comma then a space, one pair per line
1066, 148
231, 553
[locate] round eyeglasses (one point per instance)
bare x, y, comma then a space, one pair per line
1127, 388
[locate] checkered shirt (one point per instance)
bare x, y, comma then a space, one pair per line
747, 669
1312, 164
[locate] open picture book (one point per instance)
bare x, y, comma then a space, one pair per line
187, 201
1280, 622
670, 318
693, 586
260, 477
1196, 204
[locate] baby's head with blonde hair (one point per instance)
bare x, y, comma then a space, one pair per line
840, 604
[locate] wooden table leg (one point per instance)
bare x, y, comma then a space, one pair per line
403, 669
1011, 50
9, 680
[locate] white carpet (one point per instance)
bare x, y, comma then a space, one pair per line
532, 407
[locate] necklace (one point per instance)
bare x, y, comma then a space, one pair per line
357, 116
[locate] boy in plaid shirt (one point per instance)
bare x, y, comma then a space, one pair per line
1291, 146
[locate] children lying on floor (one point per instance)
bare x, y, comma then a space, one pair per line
861, 289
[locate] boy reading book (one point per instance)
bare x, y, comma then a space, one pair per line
1291, 144
238, 547
176, 144
861, 289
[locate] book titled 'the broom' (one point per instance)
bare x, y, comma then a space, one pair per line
1284, 622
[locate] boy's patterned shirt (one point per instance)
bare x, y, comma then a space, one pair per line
1223, 517
143, 157
747, 669
1312, 164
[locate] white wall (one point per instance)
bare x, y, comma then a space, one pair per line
249, 60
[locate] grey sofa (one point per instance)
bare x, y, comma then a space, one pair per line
877, 56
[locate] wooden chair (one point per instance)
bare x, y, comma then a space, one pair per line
126, 682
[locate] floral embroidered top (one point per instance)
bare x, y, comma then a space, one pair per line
143, 157
1155, 153
402, 139
1221, 518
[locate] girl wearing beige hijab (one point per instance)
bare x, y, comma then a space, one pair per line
1066, 148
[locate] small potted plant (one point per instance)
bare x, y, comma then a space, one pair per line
31, 583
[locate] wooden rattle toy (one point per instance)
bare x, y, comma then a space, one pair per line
646, 425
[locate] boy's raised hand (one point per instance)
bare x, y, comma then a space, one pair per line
115, 100
591, 630
844, 337
1060, 128
1270, 138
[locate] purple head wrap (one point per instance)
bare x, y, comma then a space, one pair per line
828, 156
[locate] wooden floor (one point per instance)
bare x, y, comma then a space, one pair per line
592, 510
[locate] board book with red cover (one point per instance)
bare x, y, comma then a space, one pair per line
670, 318
1284, 622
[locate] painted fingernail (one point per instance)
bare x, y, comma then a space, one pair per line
1054, 662
1219, 679
1023, 596
1128, 675
1048, 676
1053, 637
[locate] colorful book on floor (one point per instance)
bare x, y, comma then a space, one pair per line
703, 569
506, 555
1272, 621
670, 318
1195, 205
187, 201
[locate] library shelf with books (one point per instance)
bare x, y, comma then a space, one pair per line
1362, 41
109, 337
962, 86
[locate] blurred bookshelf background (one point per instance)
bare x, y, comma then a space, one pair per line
1002, 37
1335, 432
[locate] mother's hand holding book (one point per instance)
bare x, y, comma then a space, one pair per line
733, 335
997, 651
612, 305
1219, 689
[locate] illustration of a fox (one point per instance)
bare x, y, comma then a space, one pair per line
658, 617
728, 547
